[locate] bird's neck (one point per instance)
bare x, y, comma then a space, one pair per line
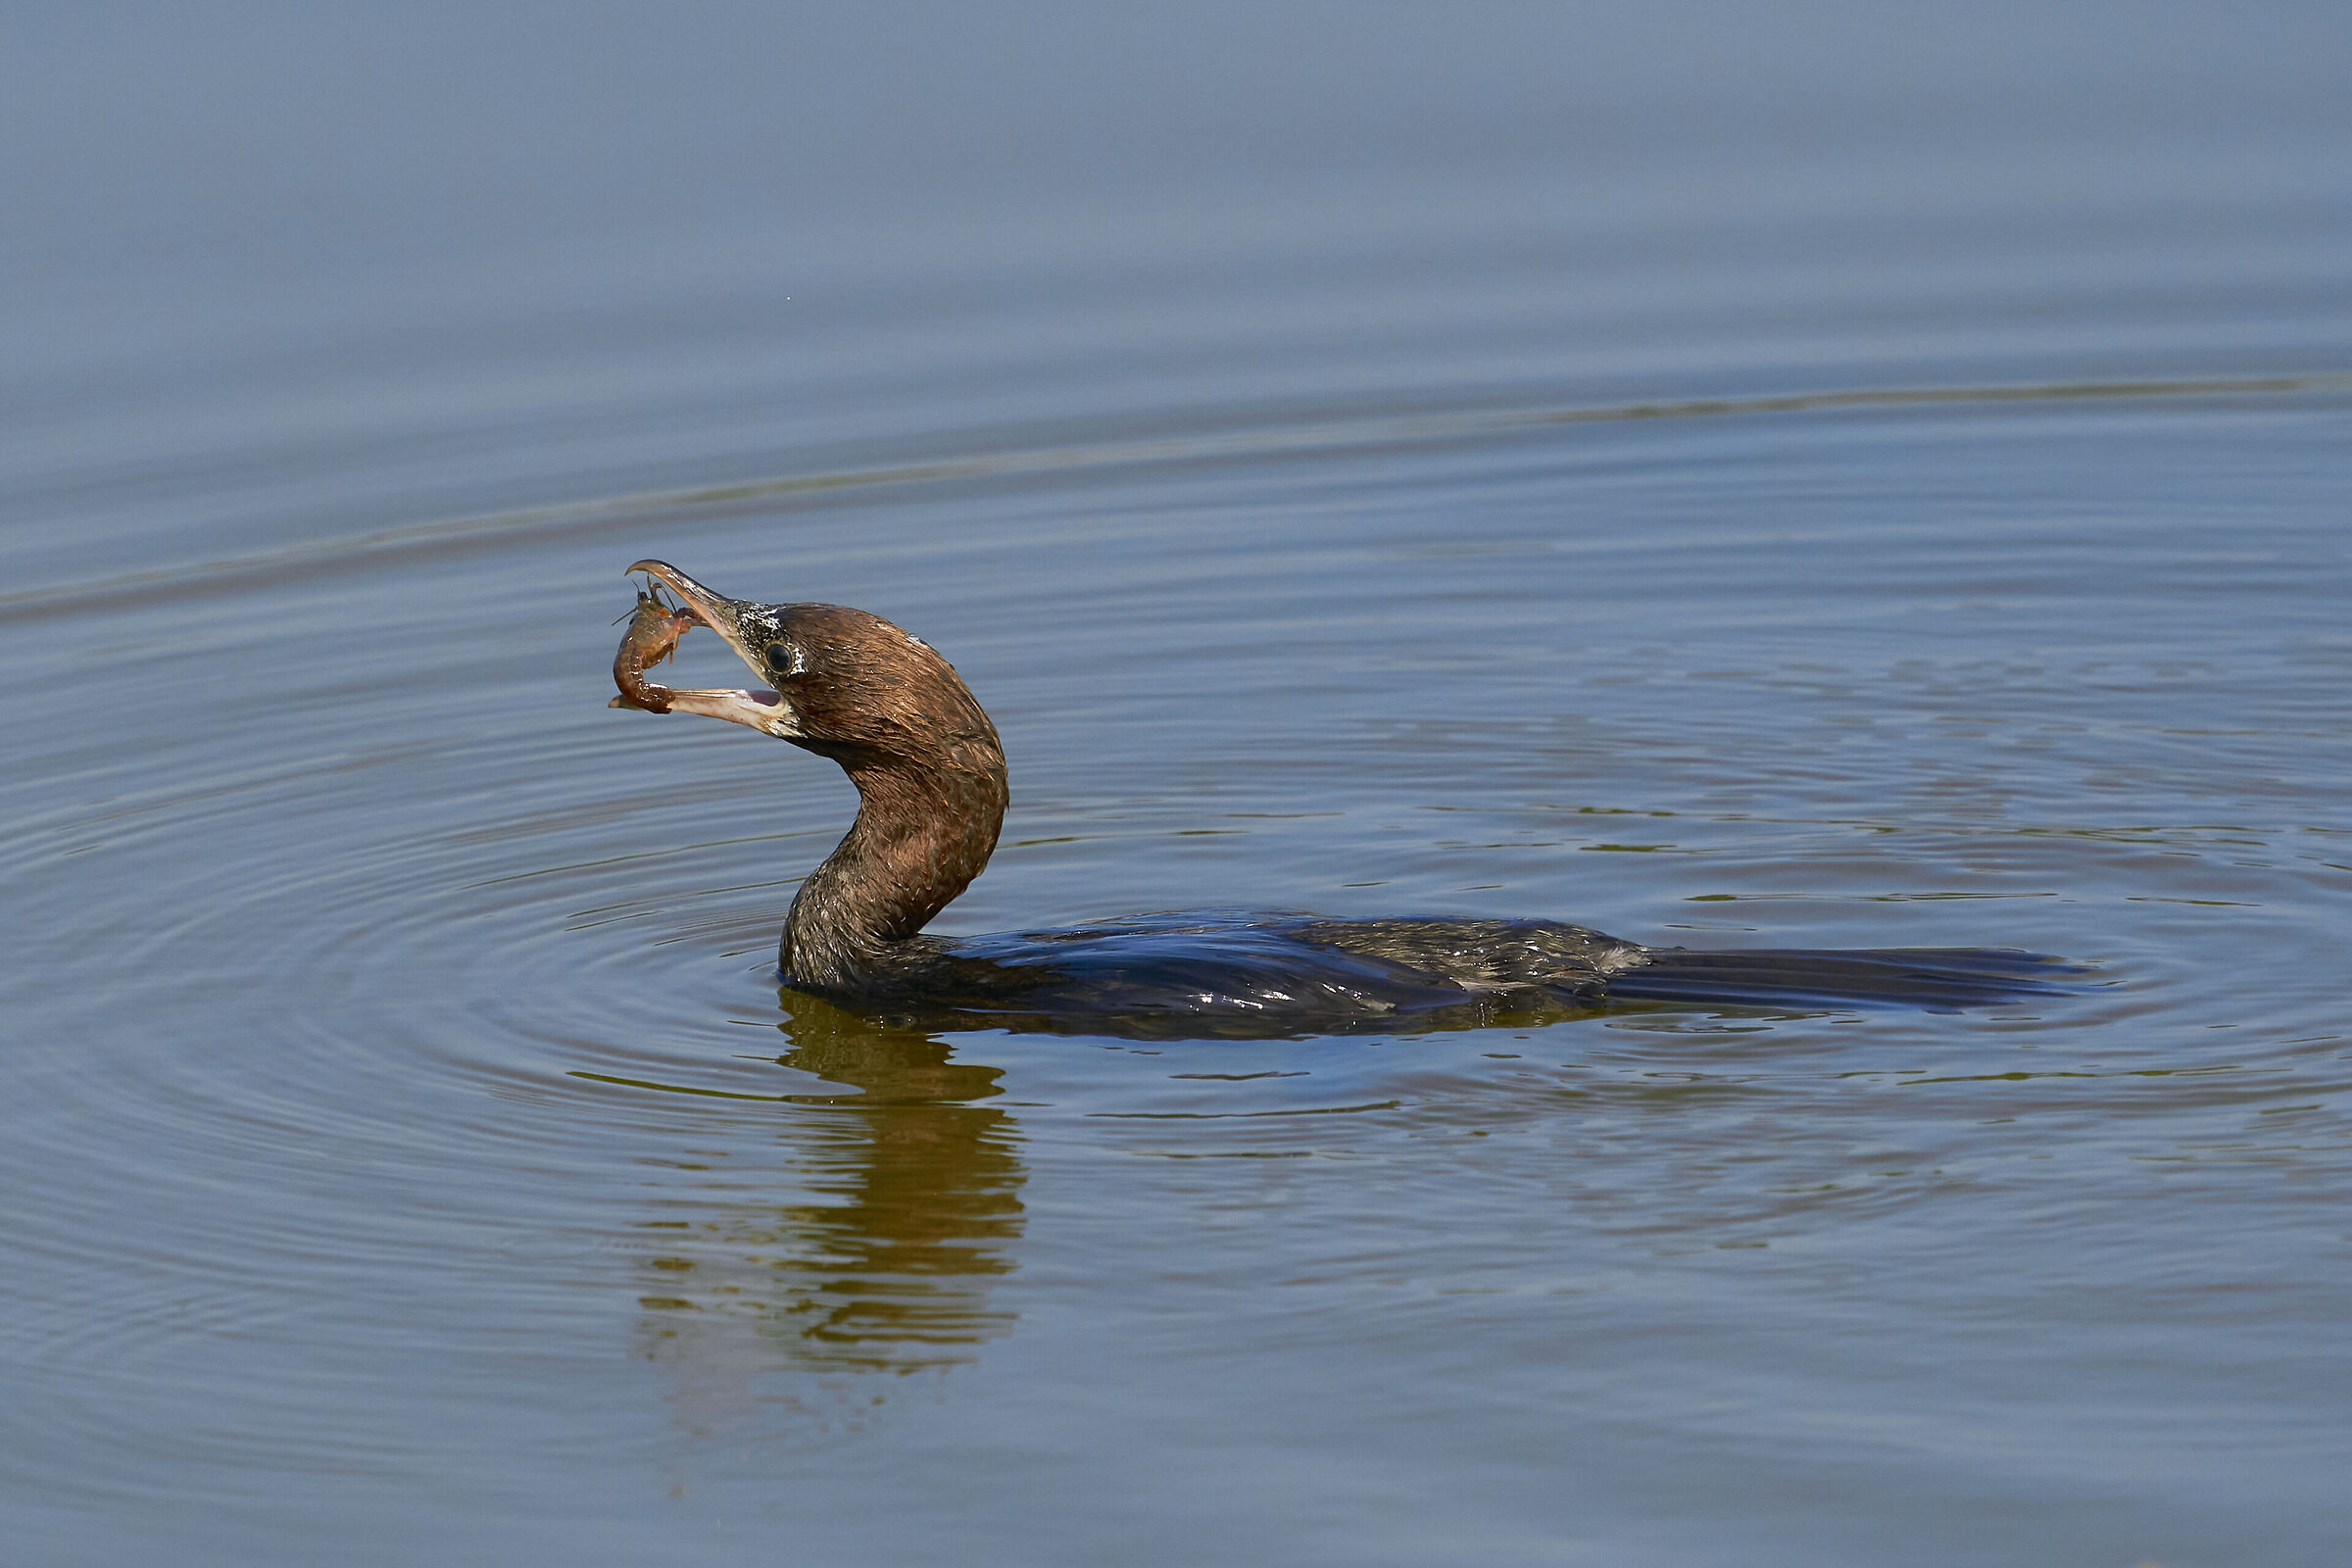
923, 831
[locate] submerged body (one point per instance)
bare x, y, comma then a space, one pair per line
931, 780
1193, 974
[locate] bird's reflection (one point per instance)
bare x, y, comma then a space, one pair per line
912, 1198
905, 1209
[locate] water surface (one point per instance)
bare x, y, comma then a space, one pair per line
1728, 481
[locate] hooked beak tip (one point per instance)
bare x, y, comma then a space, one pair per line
697, 596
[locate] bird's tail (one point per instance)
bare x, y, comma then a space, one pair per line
1940, 979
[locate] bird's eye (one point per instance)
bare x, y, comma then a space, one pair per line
782, 660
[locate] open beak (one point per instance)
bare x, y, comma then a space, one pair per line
757, 707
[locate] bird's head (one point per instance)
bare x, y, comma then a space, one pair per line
837, 681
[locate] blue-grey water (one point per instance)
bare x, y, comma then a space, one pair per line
1818, 475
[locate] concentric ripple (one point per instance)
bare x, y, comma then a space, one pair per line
403, 1088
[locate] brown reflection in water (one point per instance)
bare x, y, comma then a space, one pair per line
892, 1274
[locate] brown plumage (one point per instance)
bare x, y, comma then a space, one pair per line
926, 761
